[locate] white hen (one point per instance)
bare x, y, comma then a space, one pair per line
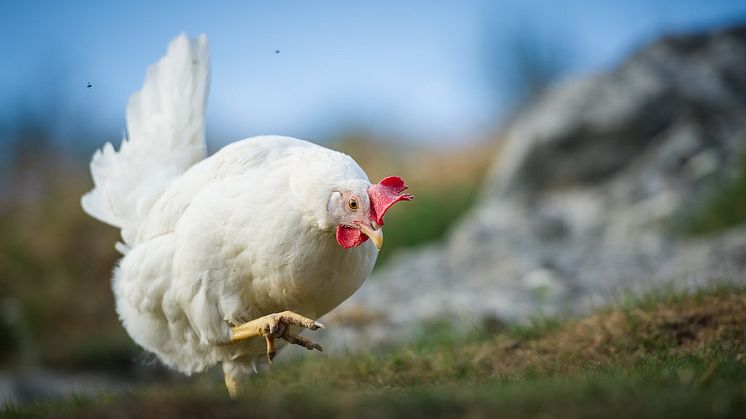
256, 240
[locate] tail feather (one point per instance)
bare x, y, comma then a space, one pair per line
165, 136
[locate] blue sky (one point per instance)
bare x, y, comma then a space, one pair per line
420, 71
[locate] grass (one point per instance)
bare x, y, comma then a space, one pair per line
725, 208
669, 356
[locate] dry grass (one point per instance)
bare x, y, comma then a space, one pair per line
623, 337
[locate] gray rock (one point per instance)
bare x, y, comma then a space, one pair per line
577, 203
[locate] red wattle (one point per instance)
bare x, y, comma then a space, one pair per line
349, 237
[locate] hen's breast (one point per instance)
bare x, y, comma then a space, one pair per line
279, 262
315, 279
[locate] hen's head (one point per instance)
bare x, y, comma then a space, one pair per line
357, 209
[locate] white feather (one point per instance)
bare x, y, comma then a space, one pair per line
165, 136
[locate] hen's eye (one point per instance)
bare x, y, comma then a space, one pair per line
352, 204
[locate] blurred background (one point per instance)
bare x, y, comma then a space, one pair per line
559, 152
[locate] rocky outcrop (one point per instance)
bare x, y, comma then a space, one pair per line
578, 205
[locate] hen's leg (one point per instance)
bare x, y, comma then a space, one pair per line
274, 326
234, 371
231, 383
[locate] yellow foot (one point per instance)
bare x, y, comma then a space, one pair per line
274, 326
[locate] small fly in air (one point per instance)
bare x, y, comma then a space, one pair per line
89, 85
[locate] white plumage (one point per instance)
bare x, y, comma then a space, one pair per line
165, 137
212, 243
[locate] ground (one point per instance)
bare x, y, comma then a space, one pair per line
662, 356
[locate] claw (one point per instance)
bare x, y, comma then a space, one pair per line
271, 352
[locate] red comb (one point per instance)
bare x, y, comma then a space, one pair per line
384, 194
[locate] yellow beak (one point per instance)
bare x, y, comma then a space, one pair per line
376, 236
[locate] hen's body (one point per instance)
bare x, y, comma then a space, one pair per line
227, 242
220, 250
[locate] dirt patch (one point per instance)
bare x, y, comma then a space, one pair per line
682, 325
